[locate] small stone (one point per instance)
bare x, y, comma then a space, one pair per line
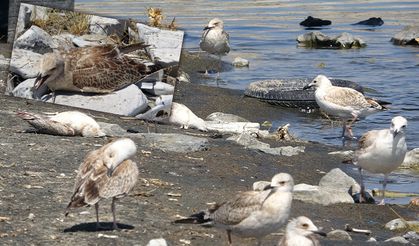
106, 236
371, 239
240, 62
397, 239
373, 21
184, 241
223, 117
411, 235
184, 77
396, 224
339, 235
157, 242
31, 216
25, 63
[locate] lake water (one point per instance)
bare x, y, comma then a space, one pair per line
264, 32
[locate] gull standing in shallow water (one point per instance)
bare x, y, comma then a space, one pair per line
252, 213
343, 102
215, 40
97, 69
105, 173
382, 151
300, 232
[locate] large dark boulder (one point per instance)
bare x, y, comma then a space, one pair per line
311, 22
373, 21
408, 36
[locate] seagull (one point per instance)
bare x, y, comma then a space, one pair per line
382, 151
343, 102
68, 123
215, 40
185, 118
105, 173
96, 69
300, 232
252, 213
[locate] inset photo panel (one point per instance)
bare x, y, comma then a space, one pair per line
116, 66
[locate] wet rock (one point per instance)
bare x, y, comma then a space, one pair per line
338, 180
260, 185
157, 242
400, 224
36, 40
157, 88
172, 142
373, 21
165, 46
182, 116
339, 235
411, 235
24, 18
25, 90
127, 101
224, 117
240, 62
396, 224
112, 130
105, 26
234, 127
312, 21
411, 159
333, 188
408, 36
25, 63
398, 239
250, 142
317, 39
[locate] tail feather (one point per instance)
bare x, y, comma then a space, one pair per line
199, 218
380, 104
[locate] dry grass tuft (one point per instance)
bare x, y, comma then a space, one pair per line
64, 21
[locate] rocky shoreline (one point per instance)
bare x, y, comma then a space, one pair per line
37, 175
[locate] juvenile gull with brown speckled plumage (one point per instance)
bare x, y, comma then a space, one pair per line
97, 69
105, 173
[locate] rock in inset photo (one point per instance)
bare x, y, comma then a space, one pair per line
116, 66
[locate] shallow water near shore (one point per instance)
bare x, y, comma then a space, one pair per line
264, 32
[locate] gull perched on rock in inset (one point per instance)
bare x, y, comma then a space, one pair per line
345, 103
215, 40
68, 123
300, 232
96, 69
252, 213
382, 151
105, 173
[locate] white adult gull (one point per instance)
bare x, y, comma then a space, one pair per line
300, 232
252, 213
105, 173
345, 103
382, 151
215, 40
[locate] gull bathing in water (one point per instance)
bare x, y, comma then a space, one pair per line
97, 69
382, 151
252, 213
343, 102
68, 123
215, 40
300, 232
105, 173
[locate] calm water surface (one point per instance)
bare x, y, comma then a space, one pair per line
264, 32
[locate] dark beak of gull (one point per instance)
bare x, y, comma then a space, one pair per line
307, 87
321, 233
396, 131
40, 80
268, 187
207, 27
110, 171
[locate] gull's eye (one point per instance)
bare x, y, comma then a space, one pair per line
404, 126
282, 182
305, 225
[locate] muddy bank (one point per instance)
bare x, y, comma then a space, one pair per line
37, 173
